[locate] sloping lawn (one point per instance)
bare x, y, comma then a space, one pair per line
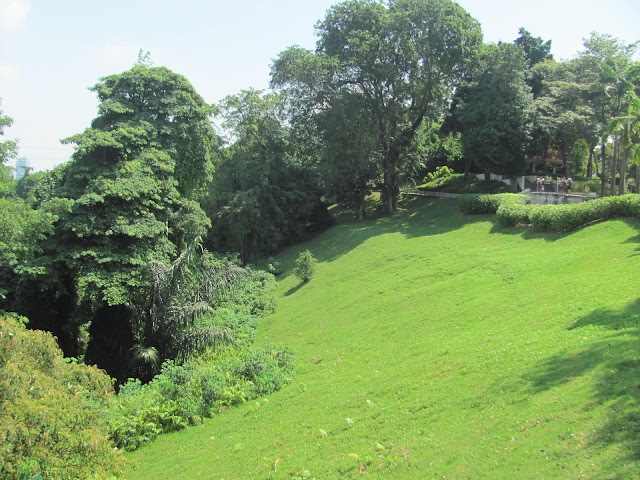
434, 345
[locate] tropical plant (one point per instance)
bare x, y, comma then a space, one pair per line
169, 320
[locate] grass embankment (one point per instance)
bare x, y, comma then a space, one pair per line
433, 345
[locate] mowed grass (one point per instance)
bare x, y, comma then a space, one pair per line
434, 345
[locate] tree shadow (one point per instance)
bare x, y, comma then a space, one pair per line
617, 387
294, 289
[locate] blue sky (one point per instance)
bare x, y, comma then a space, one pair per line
52, 51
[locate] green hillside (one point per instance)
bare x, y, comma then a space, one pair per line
434, 345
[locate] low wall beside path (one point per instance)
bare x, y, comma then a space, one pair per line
538, 198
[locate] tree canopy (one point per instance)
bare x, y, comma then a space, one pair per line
402, 60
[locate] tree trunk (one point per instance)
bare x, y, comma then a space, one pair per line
613, 168
467, 167
390, 187
623, 172
513, 180
590, 161
603, 177
359, 207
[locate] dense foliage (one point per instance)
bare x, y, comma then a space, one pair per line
262, 197
184, 394
488, 204
496, 112
399, 61
52, 411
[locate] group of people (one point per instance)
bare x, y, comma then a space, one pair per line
564, 184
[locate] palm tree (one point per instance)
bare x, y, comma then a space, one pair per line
627, 129
167, 319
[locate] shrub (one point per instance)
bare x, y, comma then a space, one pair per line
564, 218
488, 204
455, 183
181, 395
441, 172
568, 217
514, 214
52, 420
305, 266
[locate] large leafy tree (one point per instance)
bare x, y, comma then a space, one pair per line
402, 59
132, 188
263, 197
21, 227
496, 112
562, 107
536, 50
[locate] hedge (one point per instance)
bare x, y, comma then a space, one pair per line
568, 217
489, 204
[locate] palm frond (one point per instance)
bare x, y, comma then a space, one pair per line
198, 339
145, 356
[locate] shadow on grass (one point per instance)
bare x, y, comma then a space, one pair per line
416, 217
293, 290
528, 233
618, 386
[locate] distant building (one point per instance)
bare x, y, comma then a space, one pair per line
23, 165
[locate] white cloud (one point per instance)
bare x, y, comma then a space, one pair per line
9, 73
13, 13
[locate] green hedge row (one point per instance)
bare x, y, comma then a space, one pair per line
489, 204
567, 217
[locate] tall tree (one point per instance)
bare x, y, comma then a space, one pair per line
496, 113
562, 106
131, 188
262, 198
402, 59
614, 60
536, 51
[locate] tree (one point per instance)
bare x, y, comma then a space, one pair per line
562, 106
402, 60
349, 159
305, 267
169, 318
496, 112
536, 51
8, 151
613, 60
132, 188
263, 198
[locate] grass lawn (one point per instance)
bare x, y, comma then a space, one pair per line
434, 345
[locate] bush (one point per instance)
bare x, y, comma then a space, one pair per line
514, 214
564, 218
568, 217
182, 395
305, 266
52, 420
455, 183
441, 172
489, 204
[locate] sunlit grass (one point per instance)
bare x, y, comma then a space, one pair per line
433, 345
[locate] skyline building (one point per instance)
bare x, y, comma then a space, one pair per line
23, 165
